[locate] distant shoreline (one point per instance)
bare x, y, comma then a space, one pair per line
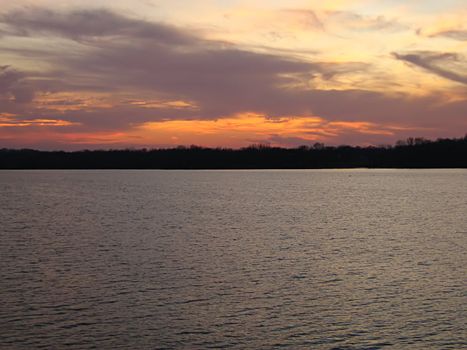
413, 153
219, 169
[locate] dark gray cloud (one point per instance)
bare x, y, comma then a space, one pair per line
13, 84
88, 24
435, 62
222, 79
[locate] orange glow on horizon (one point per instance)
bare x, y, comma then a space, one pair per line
235, 131
247, 128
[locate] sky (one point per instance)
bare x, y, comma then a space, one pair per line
230, 73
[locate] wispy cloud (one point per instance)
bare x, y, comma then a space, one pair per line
305, 18
360, 22
10, 121
460, 35
435, 62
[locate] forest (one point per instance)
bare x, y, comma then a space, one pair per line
409, 153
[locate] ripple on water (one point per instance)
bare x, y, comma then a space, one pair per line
233, 259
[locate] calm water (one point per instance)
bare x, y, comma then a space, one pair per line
322, 259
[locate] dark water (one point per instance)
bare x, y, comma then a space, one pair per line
353, 259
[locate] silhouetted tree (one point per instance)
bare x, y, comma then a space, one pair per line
411, 153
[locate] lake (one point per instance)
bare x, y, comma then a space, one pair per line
293, 259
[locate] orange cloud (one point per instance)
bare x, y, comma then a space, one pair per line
65, 101
243, 129
6, 120
235, 131
175, 104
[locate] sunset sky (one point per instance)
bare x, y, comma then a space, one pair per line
230, 73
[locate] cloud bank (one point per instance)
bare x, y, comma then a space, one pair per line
120, 73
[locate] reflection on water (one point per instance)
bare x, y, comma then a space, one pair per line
321, 259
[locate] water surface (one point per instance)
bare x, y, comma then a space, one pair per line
312, 259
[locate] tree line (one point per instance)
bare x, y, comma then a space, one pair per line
409, 153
